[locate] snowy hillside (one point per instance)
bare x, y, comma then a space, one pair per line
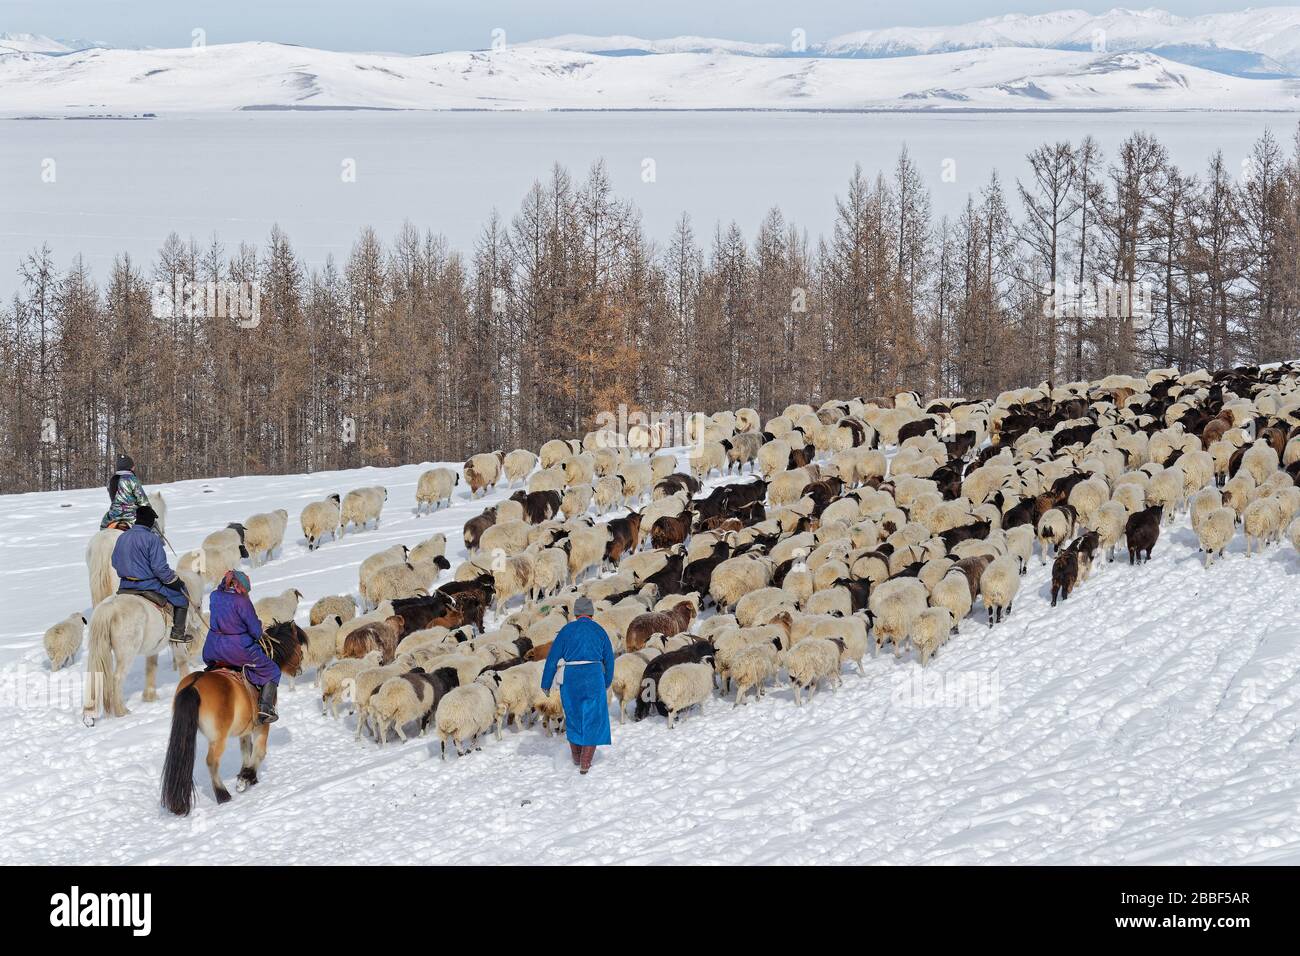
1152, 718
268, 75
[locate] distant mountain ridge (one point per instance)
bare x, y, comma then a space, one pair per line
1063, 61
1250, 43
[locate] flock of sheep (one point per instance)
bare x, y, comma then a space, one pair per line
825, 549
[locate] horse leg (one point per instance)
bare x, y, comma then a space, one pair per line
260, 736
215, 749
247, 772
151, 678
117, 682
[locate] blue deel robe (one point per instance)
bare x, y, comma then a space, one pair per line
586, 708
140, 562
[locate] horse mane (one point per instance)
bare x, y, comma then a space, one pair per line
286, 640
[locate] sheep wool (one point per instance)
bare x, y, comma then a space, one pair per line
683, 686
63, 640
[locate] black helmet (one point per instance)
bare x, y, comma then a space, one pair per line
146, 516
124, 463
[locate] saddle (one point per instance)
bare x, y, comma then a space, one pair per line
119, 525
229, 671
153, 597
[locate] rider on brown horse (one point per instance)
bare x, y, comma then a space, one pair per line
234, 641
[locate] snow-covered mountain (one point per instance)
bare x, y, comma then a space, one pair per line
1249, 42
36, 43
1263, 42
269, 75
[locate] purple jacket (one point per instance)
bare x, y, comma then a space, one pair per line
232, 637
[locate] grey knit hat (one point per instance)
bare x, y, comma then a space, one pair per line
583, 607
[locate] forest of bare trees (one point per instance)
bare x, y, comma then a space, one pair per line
413, 351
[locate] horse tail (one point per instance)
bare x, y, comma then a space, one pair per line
99, 662
99, 561
178, 767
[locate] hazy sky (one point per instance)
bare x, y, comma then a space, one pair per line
415, 26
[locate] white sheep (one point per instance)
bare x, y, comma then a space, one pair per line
1054, 529
773, 457
810, 662
1109, 523
467, 711
998, 586
895, 604
263, 533
930, 631
576, 501
434, 489
399, 701
434, 546
1260, 461
705, 457
550, 572
628, 671
520, 694
579, 469
63, 640
638, 479
1262, 524
683, 686
952, 593
734, 578
608, 493
342, 605
555, 451
338, 680
318, 519
320, 648
279, 608
404, 580
1214, 531
361, 506
788, 486
518, 466
548, 479
753, 666
482, 472
508, 537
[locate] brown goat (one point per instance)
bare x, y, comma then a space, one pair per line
379, 636
670, 623
624, 536
670, 530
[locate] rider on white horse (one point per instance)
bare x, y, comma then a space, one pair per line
126, 495
140, 562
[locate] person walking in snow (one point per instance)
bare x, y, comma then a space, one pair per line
125, 495
581, 662
140, 562
234, 640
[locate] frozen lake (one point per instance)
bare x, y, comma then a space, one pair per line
124, 185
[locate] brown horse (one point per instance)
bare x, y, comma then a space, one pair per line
222, 704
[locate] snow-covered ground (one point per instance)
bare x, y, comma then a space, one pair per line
1152, 718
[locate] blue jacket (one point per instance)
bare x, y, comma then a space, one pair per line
140, 562
586, 708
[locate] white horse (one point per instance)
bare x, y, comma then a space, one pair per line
99, 553
122, 627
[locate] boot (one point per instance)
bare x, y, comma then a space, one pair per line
266, 704
584, 760
179, 634
576, 752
